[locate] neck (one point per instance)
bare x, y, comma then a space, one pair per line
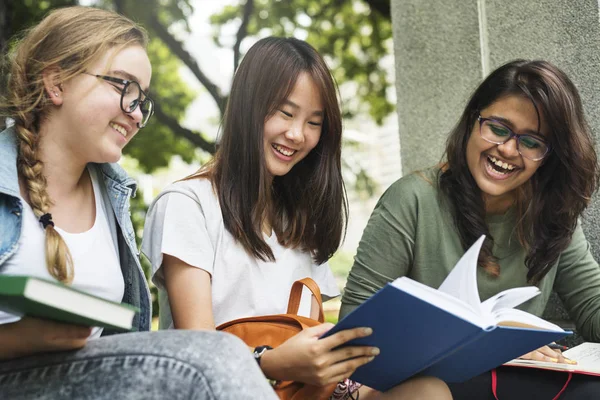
498, 204
63, 169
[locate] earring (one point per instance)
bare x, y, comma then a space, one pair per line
55, 94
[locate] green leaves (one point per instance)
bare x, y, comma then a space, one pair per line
154, 145
352, 38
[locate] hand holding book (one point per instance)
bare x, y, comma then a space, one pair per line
33, 335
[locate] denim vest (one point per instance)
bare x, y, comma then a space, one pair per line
116, 191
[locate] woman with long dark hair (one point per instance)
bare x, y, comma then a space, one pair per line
229, 241
520, 168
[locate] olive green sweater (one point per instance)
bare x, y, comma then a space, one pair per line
411, 233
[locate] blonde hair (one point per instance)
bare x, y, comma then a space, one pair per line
68, 40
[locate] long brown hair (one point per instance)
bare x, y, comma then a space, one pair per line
68, 40
307, 207
549, 204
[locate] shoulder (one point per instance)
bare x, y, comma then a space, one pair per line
197, 190
414, 188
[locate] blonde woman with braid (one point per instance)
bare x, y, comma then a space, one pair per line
76, 95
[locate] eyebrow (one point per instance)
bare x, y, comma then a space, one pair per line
318, 113
512, 127
128, 76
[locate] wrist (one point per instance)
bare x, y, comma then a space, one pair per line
268, 364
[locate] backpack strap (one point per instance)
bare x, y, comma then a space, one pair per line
296, 295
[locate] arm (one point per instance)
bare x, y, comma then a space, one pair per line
189, 292
577, 283
386, 248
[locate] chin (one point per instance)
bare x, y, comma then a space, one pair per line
278, 171
492, 190
110, 158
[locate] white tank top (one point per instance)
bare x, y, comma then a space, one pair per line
96, 264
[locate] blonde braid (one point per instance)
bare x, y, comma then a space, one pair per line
58, 257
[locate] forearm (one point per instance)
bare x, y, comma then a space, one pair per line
12, 344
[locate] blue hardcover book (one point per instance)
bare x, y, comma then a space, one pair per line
448, 333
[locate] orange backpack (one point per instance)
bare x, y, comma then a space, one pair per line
273, 330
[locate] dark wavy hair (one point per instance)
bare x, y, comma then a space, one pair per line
549, 204
307, 207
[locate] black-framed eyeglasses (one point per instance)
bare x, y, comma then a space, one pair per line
529, 146
132, 96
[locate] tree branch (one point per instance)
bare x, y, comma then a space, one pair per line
177, 48
242, 32
381, 6
119, 6
193, 137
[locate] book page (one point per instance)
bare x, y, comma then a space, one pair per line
586, 354
509, 298
462, 280
522, 319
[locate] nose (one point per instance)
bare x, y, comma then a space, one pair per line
509, 148
295, 133
136, 115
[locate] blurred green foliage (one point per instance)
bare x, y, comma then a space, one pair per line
154, 145
352, 38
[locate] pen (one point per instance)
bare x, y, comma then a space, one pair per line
556, 346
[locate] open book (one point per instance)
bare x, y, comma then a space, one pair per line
448, 332
41, 298
586, 354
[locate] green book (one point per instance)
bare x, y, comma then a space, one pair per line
42, 298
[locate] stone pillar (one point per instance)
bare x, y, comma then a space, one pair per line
438, 63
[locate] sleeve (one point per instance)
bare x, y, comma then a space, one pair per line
385, 251
176, 225
577, 283
327, 285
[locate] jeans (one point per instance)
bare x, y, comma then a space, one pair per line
148, 365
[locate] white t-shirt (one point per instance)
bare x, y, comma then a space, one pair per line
187, 223
96, 264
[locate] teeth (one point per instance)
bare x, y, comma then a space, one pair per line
283, 151
119, 129
501, 164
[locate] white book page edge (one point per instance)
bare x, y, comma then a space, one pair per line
510, 298
461, 282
